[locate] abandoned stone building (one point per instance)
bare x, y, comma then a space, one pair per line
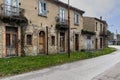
95, 33
38, 27
41, 27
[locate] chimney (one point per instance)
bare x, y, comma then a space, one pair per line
100, 17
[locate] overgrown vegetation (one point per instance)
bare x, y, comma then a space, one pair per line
18, 65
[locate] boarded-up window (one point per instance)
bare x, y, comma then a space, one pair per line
29, 39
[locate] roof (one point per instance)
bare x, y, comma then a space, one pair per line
66, 5
100, 20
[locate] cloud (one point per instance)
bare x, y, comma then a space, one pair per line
96, 7
109, 9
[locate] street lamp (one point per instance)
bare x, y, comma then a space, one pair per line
68, 28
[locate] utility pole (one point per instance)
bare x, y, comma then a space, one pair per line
47, 38
68, 28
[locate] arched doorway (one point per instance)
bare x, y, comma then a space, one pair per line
42, 42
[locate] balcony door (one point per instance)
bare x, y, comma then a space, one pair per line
11, 7
7, 4
62, 14
15, 8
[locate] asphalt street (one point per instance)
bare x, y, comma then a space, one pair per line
89, 69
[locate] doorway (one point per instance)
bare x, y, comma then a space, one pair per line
88, 42
101, 42
11, 41
42, 42
76, 42
96, 43
62, 42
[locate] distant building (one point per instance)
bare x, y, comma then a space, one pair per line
96, 33
114, 39
118, 39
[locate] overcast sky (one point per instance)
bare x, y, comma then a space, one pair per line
108, 9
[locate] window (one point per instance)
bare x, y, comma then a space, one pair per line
53, 40
101, 28
29, 39
96, 26
11, 7
62, 14
76, 17
42, 8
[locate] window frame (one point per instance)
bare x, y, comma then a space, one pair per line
101, 27
42, 9
63, 15
11, 8
31, 43
76, 18
96, 26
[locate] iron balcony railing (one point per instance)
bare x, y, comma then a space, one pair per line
62, 21
61, 24
103, 33
8, 10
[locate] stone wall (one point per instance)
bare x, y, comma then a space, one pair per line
41, 22
38, 23
89, 24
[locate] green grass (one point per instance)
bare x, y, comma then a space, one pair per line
18, 65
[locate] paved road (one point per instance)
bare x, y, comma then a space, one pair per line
111, 74
81, 70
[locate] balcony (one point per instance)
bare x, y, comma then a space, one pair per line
103, 34
86, 32
61, 24
10, 14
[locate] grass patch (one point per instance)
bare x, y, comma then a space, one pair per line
18, 65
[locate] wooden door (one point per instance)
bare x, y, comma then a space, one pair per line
42, 42
76, 42
101, 42
62, 42
11, 43
96, 43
